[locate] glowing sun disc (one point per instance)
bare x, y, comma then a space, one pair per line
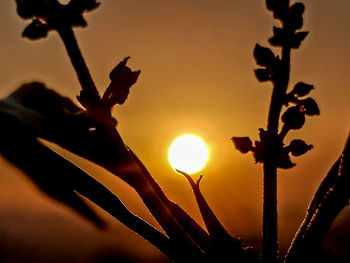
188, 153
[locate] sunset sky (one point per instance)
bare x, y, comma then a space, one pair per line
196, 64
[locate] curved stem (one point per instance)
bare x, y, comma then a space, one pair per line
197, 233
216, 230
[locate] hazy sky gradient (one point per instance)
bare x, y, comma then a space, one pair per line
197, 76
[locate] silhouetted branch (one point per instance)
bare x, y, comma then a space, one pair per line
225, 247
89, 93
270, 149
100, 144
331, 197
196, 232
22, 149
19, 146
52, 15
217, 232
270, 242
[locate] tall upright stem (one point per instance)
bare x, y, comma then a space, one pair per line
270, 233
270, 243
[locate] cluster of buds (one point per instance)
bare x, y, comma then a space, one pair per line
294, 116
273, 69
122, 78
47, 15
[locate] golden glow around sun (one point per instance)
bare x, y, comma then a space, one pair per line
188, 153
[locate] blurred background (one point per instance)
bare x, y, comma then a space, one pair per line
197, 77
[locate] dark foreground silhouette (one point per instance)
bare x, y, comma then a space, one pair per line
34, 111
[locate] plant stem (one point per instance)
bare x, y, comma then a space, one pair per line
180, 239
85, 79
270, 233
270, 243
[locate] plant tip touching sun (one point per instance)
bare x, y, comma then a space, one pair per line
188, 153
34, 112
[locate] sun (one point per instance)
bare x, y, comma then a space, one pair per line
188, 153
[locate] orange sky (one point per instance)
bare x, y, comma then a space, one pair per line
197, 76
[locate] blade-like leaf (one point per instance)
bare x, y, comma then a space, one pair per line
21, 148
100, 143
331, 197
225, 247
61, 179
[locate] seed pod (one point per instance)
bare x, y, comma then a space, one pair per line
299, 147
296, 15
297, 38
263, 56
284, 161
301, 89
309, 107
293, 118
279, 37
243, 144
262, 75
122, 78
36, 30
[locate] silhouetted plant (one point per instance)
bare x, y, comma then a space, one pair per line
33, 112
270, 149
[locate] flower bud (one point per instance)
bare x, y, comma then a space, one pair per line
243, 144
309, 107
263, 56
293, 118
301, 89
299, 147
36, 30
122, 78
